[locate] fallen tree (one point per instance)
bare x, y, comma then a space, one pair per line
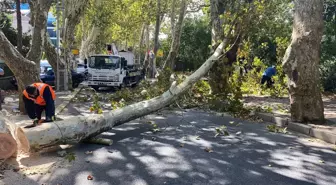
77, 129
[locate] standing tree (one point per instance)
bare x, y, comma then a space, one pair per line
156, 37
176, 36
25, 69
19, 26
301, 62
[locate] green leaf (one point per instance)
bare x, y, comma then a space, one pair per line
70, 157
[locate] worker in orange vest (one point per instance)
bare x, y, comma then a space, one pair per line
39, 97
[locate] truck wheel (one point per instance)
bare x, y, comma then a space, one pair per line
75, 85
96, 88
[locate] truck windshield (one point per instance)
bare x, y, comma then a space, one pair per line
104, 62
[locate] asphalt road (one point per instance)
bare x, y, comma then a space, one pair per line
251, 155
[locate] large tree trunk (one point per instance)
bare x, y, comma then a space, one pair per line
19, 26
141, 41
87, 46
174, 49
24, 70
51, 54
146, 60
172, 18
79, 128
219, 73
156, 38
301, 62
39, 12
73, 12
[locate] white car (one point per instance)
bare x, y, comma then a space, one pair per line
81, 68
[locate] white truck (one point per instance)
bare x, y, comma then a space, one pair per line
112, 70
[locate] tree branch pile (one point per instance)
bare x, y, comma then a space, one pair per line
77, 129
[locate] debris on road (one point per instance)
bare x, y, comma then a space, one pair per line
89, 177
209, 150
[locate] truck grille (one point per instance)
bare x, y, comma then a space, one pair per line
104, 78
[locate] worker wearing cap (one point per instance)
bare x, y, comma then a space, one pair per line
39, 97
267, 76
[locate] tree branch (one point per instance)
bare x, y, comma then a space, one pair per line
78, 128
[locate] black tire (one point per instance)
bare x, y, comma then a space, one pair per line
75, 85
96, 88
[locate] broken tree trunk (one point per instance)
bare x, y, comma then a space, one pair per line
79, 128
12, 139
301, 62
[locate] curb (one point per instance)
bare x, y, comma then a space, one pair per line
324, 135
66, 102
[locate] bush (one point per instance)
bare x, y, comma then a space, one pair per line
328, 75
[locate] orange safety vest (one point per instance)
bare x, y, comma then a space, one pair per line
40, 100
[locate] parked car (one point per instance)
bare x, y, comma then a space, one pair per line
81, 68
47, 76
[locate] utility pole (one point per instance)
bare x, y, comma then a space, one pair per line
65, 54
60, 82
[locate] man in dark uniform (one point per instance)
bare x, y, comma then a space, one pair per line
39, 97
267, 76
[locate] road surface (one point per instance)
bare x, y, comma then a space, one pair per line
251, 155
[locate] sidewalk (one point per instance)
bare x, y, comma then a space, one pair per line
276, 110
11, 107
281, 106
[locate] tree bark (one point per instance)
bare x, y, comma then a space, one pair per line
19, 26
172, 18
174, 49
141, 41
39, 11
217, 32
13, 139
87, 46
156, 38
301, 62
73, 12
51, 54
77, 129
219, 73
24, 70
146, 60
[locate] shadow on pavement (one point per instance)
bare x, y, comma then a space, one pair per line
250, 155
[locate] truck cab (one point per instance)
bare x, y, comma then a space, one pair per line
111, 71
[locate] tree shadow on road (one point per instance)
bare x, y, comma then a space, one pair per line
177, 155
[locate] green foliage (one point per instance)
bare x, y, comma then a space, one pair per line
154, 127
11, 33
328, 75
164, 79
96, 107
328, 58
70, 157
222, 130
120, 21
276, 129
194, 46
